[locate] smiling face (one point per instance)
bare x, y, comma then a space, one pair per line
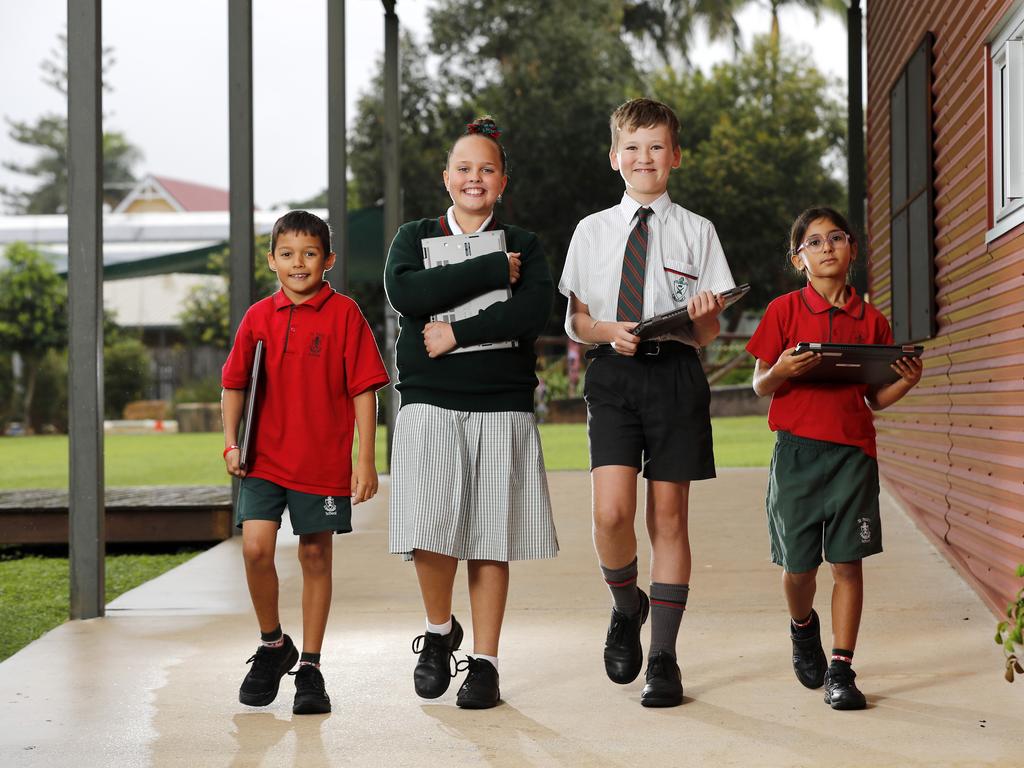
832, 261
474, 177
299, 260
644, 157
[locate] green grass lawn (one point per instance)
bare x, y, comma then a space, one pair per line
195, 458
34, 591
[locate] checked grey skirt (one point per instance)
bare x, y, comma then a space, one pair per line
469, 485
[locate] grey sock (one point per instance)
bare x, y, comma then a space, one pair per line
668, 601
622, 584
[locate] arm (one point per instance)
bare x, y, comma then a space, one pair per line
232, 402
591, 331
364, 473
910, 370
703, 309
768, 378
414, 291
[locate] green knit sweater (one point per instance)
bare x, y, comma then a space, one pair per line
488, 380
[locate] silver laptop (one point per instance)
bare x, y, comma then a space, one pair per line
455, 249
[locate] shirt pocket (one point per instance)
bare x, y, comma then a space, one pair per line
682, 279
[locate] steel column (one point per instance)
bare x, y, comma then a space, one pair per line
856, 168
337, 149
392, 192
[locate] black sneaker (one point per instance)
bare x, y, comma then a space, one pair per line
269, 665
310, 693
436, 666
623, 655
809, 662
480, 688
840, 689
664, 681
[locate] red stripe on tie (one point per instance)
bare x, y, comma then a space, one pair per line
623, 299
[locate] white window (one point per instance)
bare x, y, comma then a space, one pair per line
1006, 80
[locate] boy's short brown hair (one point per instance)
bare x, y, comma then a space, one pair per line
305, 223
644, 113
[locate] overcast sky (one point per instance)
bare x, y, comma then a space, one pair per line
170, 79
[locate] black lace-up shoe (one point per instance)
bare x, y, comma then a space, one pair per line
664, 686
269, 665
841, 691
480, 688
310, 693
623, 655
809, 662
436, 666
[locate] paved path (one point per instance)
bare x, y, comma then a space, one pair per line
154, 683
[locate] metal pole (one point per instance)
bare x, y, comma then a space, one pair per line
242, 243
86, 510
392, 192
337, 150
855, 145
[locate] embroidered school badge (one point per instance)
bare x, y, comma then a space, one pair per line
314, 346
329, 506
864, 529
680, 288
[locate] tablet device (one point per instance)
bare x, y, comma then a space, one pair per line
249, 414
455, 249
676, 319
855, 363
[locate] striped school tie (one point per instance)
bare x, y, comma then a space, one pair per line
634, 265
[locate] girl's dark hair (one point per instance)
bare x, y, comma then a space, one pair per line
486, 127
305, 222
803, 221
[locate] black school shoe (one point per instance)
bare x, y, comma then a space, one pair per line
623, 654
664, 681
480, 688
269, 665
310, 692
841, 691
434, 670
809, 662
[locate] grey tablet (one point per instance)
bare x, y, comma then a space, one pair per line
855, 363
676, 319
249, 416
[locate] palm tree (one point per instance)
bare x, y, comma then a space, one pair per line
814, 6
669, 25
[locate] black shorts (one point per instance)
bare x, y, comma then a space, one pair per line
260, 499
651, 412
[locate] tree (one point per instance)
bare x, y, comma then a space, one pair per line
669, 25
33, 314
48, 135
759, 145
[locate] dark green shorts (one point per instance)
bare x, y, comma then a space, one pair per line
260, 499
821, 495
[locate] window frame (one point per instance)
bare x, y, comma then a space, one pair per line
1005, 86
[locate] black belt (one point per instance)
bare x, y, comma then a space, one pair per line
645, 349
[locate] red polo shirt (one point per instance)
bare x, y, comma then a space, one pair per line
833, 412
318, 355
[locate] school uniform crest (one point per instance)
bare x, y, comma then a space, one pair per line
315, 345
864, 529
330, 507
680, 288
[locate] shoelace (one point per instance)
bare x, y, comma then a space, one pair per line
309, 680
841, 676
262, 663
435, 647
469, 663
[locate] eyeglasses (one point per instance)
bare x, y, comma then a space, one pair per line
815, 243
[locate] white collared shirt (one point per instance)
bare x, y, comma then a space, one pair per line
684, 257
454, 225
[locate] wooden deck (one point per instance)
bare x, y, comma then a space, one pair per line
153, 513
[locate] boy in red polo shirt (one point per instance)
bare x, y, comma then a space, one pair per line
823, 482
321, 371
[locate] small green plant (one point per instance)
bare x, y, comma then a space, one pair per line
1010, 633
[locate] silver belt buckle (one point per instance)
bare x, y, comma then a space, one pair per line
655, 350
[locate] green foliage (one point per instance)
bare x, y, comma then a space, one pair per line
50, 402
1010, 633
34, 591
199, 391
127, 374
761, 139
205, 316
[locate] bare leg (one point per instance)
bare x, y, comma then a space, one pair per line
436, 574
259, 542
800, 589
847, 603
614, 506
315, 556
667, 525
488, 593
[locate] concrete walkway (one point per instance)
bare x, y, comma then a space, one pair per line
155, 682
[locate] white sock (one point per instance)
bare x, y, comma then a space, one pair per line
492, 659
440, 629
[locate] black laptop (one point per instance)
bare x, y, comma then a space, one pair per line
855, 363
249, 415
677, 319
